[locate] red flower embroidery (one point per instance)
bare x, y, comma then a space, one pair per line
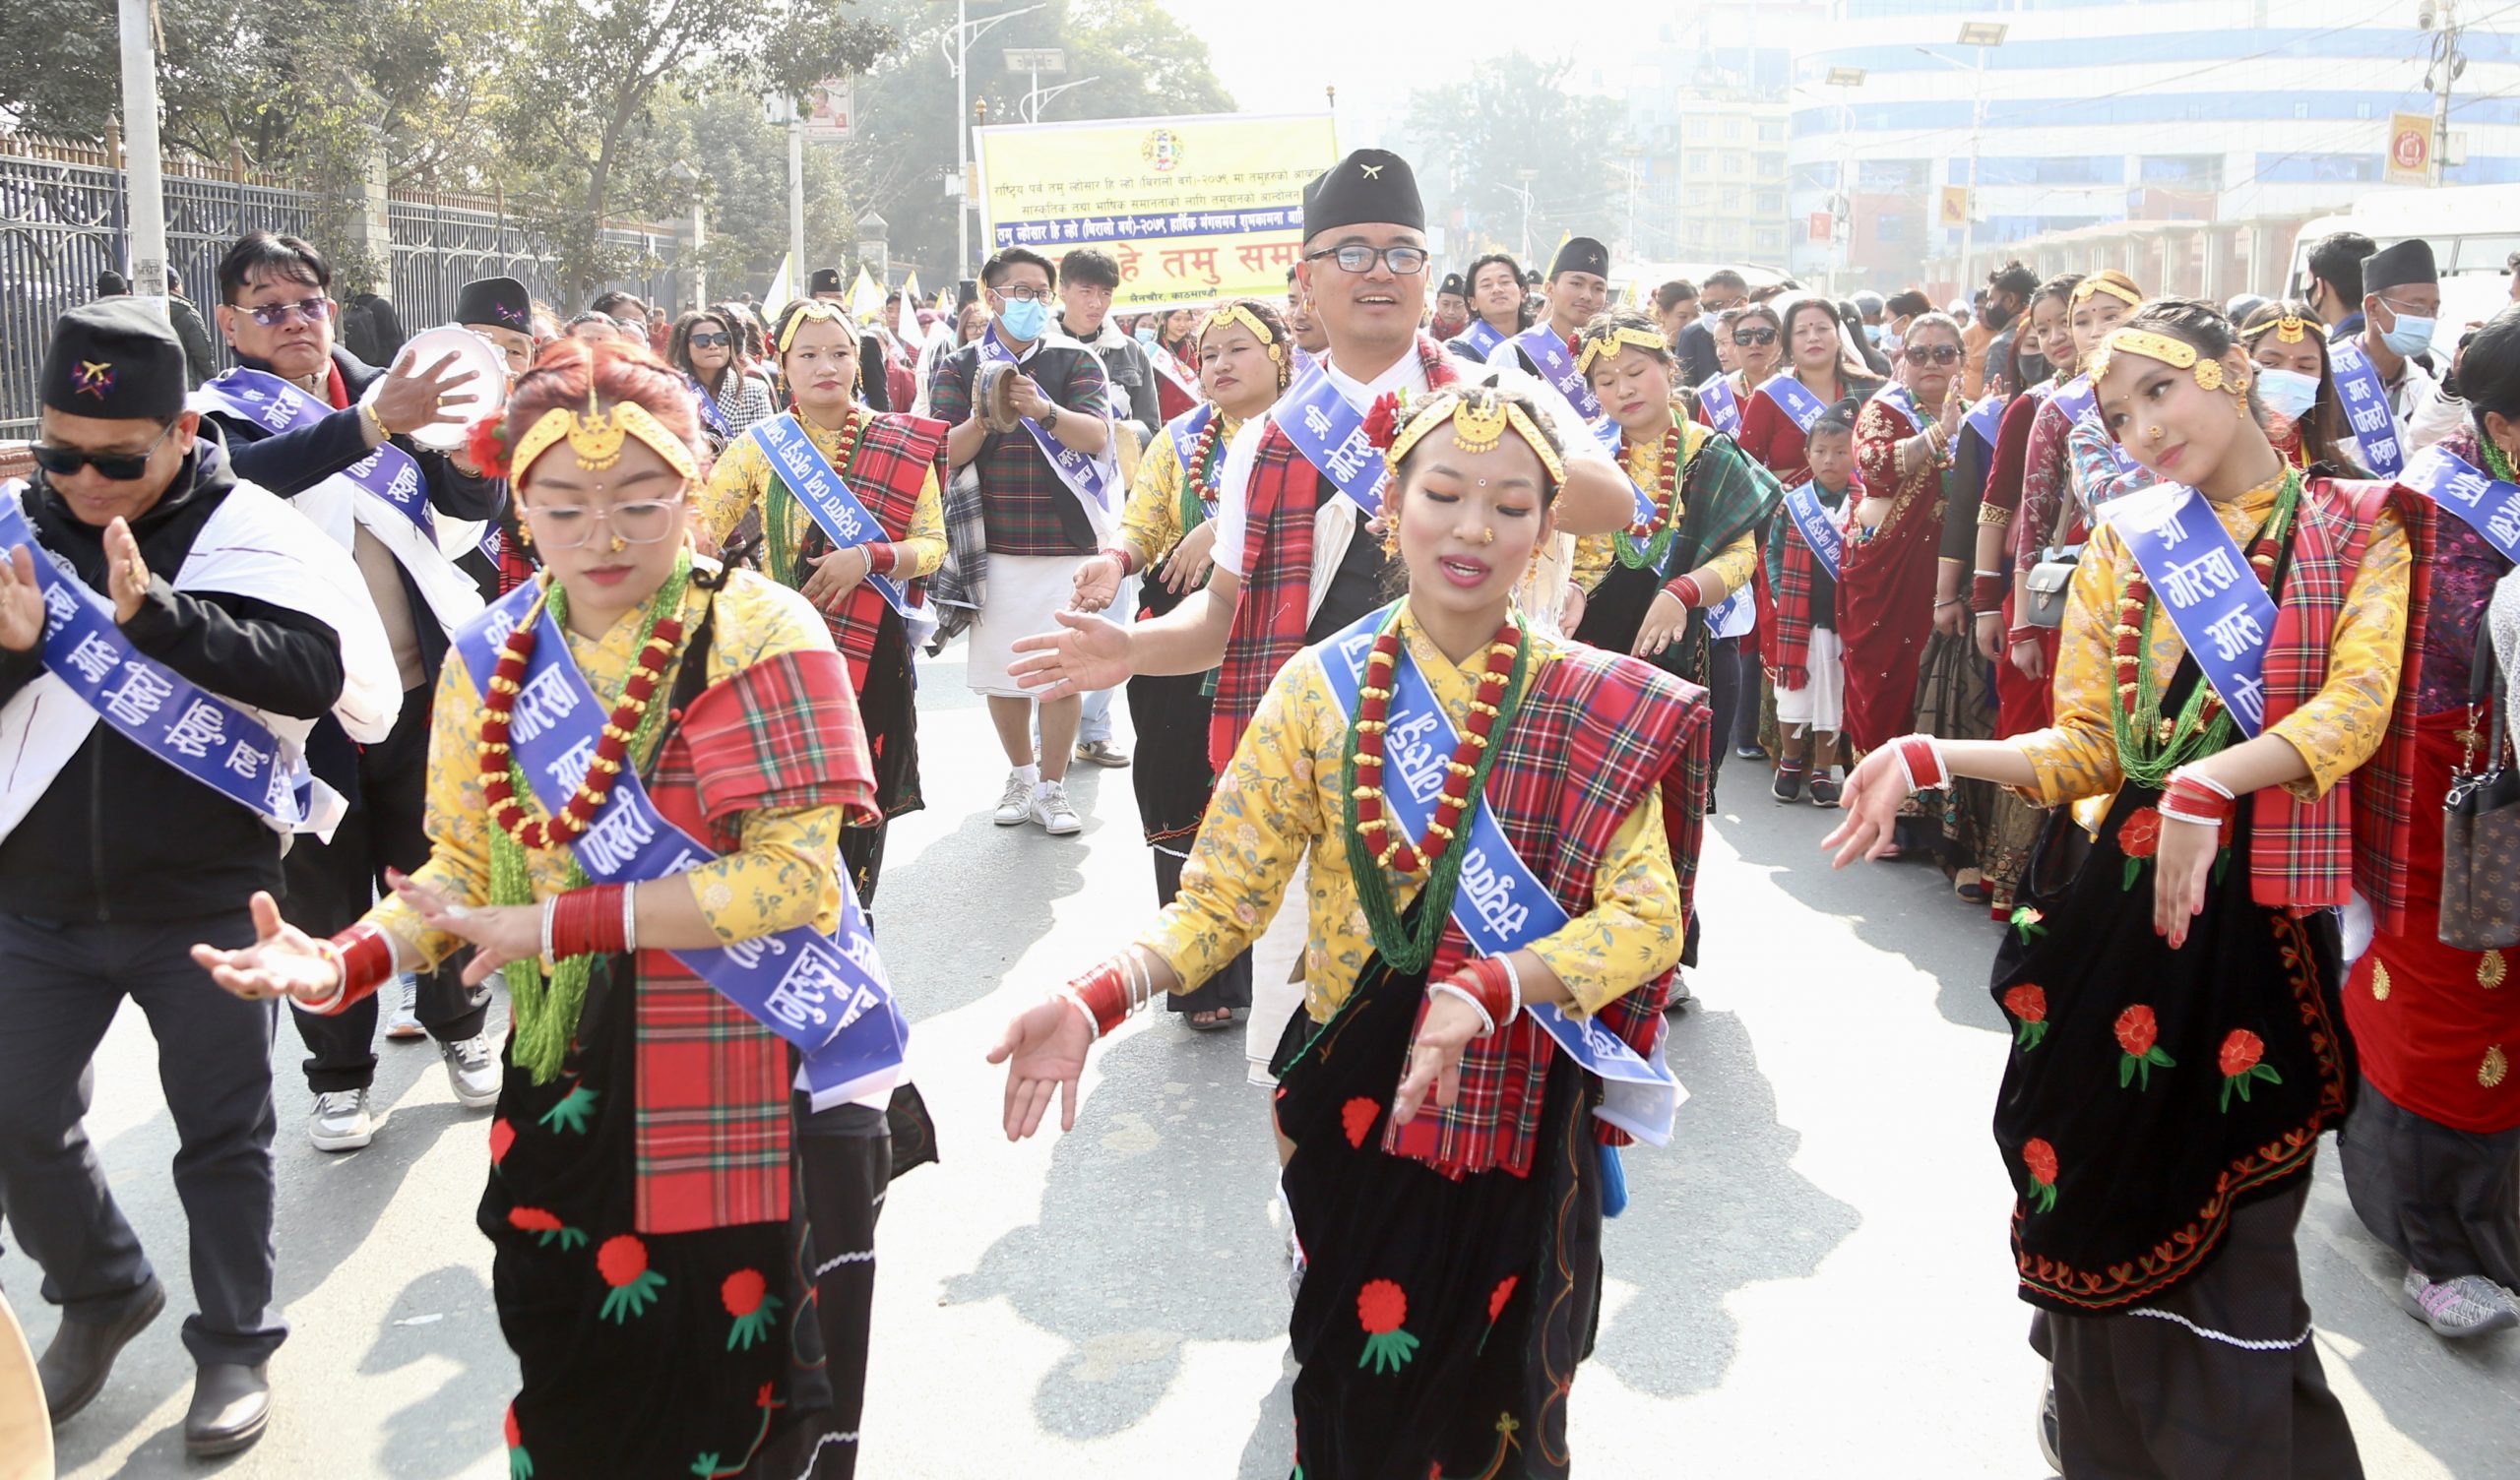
502, 1137
746, 1297
1382, 420
2041, 1158
546, 1224
2138, 837
2029, 1004
1356, 1116
623, 1264
1497, 1297
1381, 1305
2139, 1035
2241, 1063
520, 1463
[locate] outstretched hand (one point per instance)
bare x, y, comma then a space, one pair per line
1043, 1051
1087, 654
283, 962
1873, 791
499, 932
1434, 1057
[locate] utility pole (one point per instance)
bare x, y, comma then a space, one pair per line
147, 246
2441, 18
796, 201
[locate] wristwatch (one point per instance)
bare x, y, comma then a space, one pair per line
1051, 419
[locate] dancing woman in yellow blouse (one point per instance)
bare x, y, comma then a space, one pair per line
1477, 923
2177, 1039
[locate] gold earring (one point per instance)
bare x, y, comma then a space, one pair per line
524, 534
1391, 541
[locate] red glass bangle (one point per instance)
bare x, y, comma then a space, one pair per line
1103, 993
2191, 800
1926, 770
1686, 590
1493, 986
587, 921
1120, 553
365, 959
1986, 594
2021, 634
879, 558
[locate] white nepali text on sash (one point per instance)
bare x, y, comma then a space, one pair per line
1331, 435
2484, 502
1789, 395
387, 473
835, 508
1827, 543
1556, 364
2207, 586
1483, 337
2366, 407
1722, 405
1090, 479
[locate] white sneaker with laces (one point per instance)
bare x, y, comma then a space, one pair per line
1015, 804
403, 1013
1051, 810
342, 1122
473, 1071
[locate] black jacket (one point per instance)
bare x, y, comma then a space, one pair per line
1695, 345
201, 360
120, 835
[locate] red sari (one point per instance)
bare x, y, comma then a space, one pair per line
1885, 589
2021, 701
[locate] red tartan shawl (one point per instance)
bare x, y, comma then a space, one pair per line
1595, 734
2303, 855
1791, 578
894, 457
1276, 605
714, 1084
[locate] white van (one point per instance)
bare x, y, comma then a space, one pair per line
2475, 230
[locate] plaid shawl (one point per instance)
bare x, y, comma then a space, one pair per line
961, 584
1725, 493
1791, 570
891, 466
713, 1110
1276, 605
1596, 734
2304, 854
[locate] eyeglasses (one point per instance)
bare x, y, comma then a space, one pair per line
1933, 354
1404, 262
1023, 294
116, 467
274, 314
710, 340
1716, 305
567, 526
1749, 337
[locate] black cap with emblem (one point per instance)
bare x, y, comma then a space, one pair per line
2408, 261
1454, 285
1581, 254
1372, 186
117, 360
498, 302
824, 280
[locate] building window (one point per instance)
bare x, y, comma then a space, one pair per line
1701, 161
1729, 233
1693, 130
1770, 238
1771, 131
1732, 200
1732, 163
1770, 202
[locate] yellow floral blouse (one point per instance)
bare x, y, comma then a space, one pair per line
1151, 521
742, 476
1594, 554
1281, 795
2336, 730
785, 875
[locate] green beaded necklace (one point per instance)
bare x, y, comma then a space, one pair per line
778, 539
1648, 554
2496, 462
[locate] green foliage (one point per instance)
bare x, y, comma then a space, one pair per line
744, 165
1469, 140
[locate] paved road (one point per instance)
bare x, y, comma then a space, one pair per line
1811, 1281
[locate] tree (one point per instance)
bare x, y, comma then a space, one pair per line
1472, 139
744, 163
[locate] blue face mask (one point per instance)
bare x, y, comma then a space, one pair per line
1025, 318
1146, 333
2409, 336
2289, 393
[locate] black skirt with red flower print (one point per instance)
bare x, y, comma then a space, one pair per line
671, 1355
2152, 1091
1439, 1322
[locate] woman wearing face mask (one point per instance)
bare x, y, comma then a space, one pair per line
1449, 1167
2305, 414
1246, 355
654, 1194
2433, 1149
2179, 1043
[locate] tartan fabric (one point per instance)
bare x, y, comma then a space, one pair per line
1596, 734
1723, 494
961, 584
1792, 572
1026, 509
712, 1108
2306, 855
1275, 604
894, 455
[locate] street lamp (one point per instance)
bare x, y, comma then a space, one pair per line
956, 45
1035, 60
1981, 35
1523, 188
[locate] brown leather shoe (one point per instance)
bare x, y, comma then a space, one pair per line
81, 1355
231, 1407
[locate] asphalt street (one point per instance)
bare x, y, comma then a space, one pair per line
1812, 1279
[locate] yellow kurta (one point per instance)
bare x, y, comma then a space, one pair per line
1280, 796
1151, 521
742, 477
2336, 730
1594, 554
785, 875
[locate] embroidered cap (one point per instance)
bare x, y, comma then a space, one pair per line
117, 360
495, 303
1581, 254
824, 280
1454, 285
1370, 186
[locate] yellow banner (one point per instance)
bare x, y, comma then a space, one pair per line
1195, 209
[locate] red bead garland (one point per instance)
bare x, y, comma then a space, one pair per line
2131, 631
578, 813
1372, 720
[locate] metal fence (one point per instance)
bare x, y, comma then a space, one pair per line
62, 221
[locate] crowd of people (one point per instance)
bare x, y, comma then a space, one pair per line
1438, 603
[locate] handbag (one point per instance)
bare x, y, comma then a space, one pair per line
2481, 825
2047, 584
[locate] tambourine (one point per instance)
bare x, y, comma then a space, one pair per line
993, 393
488, 386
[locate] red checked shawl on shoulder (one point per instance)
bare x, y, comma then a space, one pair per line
892, 461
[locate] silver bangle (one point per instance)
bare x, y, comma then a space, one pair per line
1487, 1025
629, 918
551, 906
1514, 985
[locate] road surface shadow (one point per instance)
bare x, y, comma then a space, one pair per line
1014, 876
446, 1313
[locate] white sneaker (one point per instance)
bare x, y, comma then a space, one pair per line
341, 1122
1015, 804
472, 1069
2468, 1306
1051, 810
402, 1015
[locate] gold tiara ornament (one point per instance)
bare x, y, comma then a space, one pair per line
1476, 429
2095, 283
2288, 330
1236, 313
818, 311
2179, 355
1607, 346
596, 437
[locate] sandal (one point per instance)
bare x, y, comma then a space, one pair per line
1214, 1020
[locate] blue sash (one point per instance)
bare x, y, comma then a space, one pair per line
276, 406
1331, 435
707, 405
1501, 905
795, 461
1794, 399
2214, 598
1723, 407
2079, 398
1985, 418
1185, 431
2367, 406
1904, 401
1088, 478
2482, 502
1548, 353
148, 703
1304, 363
1483, 337
1611, 438
1819, 531
828, 995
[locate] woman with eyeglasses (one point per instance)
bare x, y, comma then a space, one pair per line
868, 587
706, 347
659, 1193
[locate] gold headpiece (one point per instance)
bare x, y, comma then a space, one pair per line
597, 437
2175, 353
2096, 284
1236, 313
2288, 330
1477, 428
819, 311
1609, 344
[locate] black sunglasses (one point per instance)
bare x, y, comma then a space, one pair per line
1747, 337
1933, 354
709, 341
118, 468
